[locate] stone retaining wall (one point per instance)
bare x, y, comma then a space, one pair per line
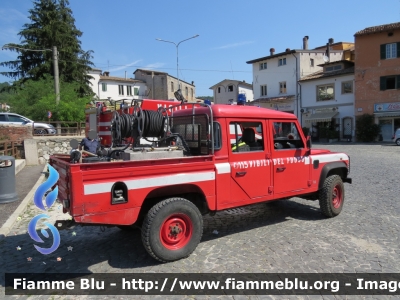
39, 149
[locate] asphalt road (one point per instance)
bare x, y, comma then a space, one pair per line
288, 236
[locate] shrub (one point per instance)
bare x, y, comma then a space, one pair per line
35, 98
366, 129
323, 132
333, 134
306, 131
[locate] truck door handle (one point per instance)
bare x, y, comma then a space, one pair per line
281, 169
241, 173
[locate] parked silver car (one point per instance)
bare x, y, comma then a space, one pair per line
39, 128
396, 137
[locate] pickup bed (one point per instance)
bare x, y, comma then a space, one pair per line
228, 156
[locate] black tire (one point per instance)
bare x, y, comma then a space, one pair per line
331, 196
172, 229
398, 142
40, 131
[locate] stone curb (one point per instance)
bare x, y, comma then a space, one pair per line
19, 165
8, 225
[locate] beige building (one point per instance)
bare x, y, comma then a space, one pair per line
161, 85
276, 76
231, 91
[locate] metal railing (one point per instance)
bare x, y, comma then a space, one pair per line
66, 127
12, 148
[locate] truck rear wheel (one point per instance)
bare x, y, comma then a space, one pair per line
172, 229
331, 196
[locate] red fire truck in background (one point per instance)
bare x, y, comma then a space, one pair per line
202, 159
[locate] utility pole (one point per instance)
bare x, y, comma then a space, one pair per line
56, 82
56, 75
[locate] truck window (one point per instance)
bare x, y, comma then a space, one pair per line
286, 136
217, 136
246, 136
194, 130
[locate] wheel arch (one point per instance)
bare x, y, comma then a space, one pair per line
333, 168
190, 192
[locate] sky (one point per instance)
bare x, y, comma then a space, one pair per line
123, 33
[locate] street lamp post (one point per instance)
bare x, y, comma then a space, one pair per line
177, 63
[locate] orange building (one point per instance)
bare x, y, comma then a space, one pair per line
377, 75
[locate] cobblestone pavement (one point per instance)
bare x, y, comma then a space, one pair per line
285, 236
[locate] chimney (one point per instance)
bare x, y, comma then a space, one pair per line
192, 82
305, 42
106, 74
331, 41
287, 49
244, 81
272, 51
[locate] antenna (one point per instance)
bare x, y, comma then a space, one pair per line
325, 58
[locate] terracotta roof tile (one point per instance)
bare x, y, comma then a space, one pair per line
379, 28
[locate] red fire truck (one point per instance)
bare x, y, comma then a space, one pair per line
201, 160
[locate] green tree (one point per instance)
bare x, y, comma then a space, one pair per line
52, 24
35, 98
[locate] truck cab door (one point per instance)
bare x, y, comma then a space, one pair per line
291, 164
250, 169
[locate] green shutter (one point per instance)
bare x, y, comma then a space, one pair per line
398, 49
383, 51
383, 83
398, 80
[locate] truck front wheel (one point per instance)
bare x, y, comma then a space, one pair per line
331, 196
172, 229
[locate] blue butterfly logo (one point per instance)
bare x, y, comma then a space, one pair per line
50, 199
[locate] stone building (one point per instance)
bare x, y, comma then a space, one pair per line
161, 85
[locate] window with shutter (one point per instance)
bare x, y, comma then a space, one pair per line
391, 50
383, 51
398, 49
389, 82
383, 83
